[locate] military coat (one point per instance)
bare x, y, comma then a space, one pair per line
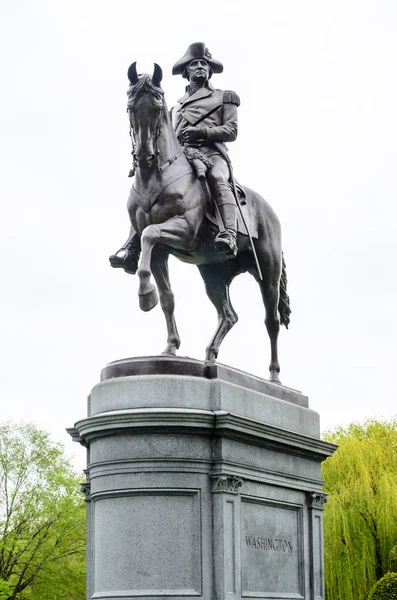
217, 112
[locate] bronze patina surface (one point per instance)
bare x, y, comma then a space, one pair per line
182, 176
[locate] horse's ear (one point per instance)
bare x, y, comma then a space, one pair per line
157, 75
132, 74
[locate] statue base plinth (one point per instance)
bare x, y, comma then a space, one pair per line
201, 481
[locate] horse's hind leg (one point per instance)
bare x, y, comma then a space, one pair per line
271, 270
160, 272
217, 278
270, 295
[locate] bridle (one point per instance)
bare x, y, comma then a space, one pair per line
135, 162
151, 86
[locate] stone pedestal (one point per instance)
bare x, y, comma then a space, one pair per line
201, 481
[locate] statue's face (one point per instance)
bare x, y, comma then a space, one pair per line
198, 70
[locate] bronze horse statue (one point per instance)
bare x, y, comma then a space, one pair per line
168, 208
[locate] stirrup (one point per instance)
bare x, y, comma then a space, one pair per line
127, 261
225, 242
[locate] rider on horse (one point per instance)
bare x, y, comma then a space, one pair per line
206, 118
167, 204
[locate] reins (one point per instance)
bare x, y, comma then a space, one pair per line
170, 161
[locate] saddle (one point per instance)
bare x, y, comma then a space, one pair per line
201, 164
148, 197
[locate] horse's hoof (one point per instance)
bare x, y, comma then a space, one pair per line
148, 300
274, 378
171, 348
210, 358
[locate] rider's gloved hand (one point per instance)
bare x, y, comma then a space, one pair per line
193, 134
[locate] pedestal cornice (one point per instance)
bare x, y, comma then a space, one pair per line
214, 423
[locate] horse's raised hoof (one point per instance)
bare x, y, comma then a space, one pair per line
148, 300
274, 378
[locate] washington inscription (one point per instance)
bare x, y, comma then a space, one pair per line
265, 543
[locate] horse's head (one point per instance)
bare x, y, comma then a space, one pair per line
145, 107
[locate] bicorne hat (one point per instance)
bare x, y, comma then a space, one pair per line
197, 50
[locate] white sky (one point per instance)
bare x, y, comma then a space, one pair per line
317, 138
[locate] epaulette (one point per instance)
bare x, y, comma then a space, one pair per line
230, 97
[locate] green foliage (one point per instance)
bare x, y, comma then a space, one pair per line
385, 588
360, 518
64, 580
393, 559
5, 590
42, 519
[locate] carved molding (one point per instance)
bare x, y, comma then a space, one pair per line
74, 434
316, 500
227, 483
85, 488
233, 426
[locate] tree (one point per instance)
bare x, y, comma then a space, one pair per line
42, 518
360, 518
385, 588
393, 559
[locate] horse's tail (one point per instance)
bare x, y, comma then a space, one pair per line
283, 304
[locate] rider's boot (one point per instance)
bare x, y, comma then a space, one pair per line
127, 257
226, 241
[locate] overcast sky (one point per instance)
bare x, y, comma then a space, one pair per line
317, 138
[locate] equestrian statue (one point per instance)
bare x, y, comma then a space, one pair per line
185, 201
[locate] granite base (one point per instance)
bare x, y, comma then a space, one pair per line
201, 481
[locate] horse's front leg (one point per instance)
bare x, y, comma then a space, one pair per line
147, 292
174, 233
161, 276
